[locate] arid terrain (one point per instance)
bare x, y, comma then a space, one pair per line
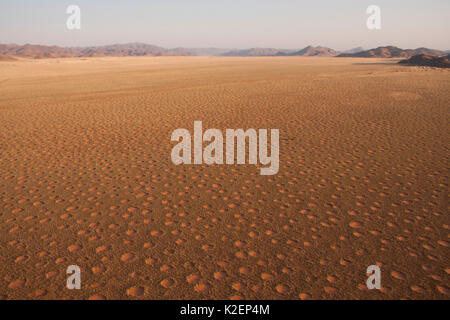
86, 179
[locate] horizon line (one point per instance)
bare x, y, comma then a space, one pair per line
213, 47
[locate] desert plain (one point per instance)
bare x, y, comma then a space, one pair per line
86, 179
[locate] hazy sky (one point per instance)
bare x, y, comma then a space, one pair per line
340, 24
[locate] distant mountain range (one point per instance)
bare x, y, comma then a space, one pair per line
309, 51
10, 52
354, 50
256, 52
392, 52
116, 50
207, 51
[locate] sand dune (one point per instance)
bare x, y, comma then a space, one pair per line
86, 179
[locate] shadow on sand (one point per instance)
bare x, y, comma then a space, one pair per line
393, 63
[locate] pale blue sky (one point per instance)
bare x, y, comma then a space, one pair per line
340, 24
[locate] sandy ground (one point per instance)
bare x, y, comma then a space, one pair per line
86, 179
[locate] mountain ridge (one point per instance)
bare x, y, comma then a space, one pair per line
117, 50
428, 61
392, 52
10, 52
308, 51
318, 51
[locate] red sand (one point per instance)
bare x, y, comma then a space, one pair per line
86, 179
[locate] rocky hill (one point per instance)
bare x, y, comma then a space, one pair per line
428, 60
392, 52
115, 50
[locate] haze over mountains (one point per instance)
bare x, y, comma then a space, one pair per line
11, 51
256, 52
354, 50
